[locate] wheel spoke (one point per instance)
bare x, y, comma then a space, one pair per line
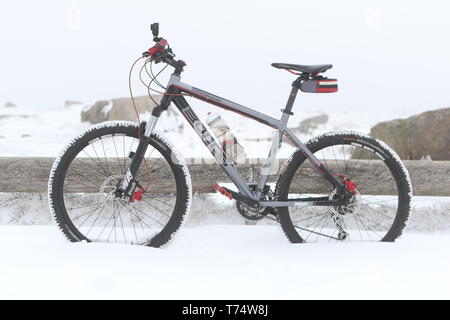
101, 214
363, 218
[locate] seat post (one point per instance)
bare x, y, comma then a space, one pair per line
288, 110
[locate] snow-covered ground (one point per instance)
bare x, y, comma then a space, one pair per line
222, 262
427, 214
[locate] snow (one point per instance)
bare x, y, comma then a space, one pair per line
222, 262
106, 109
45, 131
427, 213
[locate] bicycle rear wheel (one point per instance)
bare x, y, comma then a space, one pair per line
379, 209
83, 181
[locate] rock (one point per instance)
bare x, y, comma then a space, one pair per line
69, 103
24, 116
309, 124
426, 135
10, 105
25, 136
117, 109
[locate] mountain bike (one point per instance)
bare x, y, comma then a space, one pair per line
124, 182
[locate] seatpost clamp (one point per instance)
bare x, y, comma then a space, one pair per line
287, 112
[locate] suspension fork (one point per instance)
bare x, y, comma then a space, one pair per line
129, 183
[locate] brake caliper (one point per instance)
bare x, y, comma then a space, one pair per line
137, 195
351, 186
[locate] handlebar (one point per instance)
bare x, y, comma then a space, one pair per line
161, 52
156, 50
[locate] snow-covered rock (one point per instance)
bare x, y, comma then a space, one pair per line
117, 109
424, 135
310, 124
69, 103
10, 105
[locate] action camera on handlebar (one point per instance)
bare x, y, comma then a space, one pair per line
161, 51
155, 31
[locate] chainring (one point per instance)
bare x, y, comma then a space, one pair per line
256, 214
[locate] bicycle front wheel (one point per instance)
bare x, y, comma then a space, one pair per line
85, 177
377, 211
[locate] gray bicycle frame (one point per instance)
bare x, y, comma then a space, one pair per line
176, 86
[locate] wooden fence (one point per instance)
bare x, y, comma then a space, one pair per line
30, 174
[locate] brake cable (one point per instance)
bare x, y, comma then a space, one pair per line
153, 78
151, 75
154, 90
131, 92
139, 122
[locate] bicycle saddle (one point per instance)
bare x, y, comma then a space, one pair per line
312, 69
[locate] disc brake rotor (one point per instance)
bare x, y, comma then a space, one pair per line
108, 187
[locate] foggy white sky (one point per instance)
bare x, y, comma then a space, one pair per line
389, 56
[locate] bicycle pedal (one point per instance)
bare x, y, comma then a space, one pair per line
223, 191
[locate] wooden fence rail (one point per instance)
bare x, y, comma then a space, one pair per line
30, 174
